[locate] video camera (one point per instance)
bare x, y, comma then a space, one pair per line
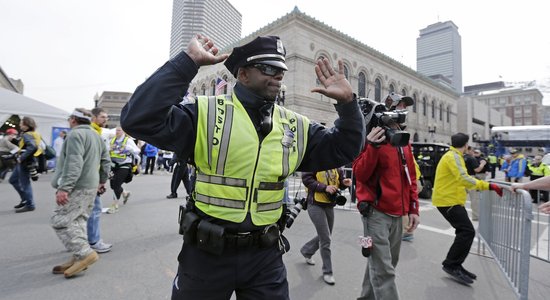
338, 198
376, 114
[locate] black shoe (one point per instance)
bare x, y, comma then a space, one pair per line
21, 204
24, 209
468, 273
458, 275
172, 196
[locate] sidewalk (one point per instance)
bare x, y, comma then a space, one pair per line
143, 261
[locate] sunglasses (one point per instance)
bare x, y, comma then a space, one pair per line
269, 70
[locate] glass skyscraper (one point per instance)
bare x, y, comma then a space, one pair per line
217, 19
439, 53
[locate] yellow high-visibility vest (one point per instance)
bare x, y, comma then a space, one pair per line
237, 174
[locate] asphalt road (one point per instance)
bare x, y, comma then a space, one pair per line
143, 261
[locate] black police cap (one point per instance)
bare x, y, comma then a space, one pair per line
267, 50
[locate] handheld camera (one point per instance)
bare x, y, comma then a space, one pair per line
376, 114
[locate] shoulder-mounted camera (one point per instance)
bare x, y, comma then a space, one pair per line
376, 114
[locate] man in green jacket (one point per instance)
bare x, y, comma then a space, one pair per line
82, 171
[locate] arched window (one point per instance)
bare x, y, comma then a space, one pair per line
416, 138
424, 106
362, 85
403, 92
225, 86
391, 89
194, 91
433, 109
414, 105
203, 89
346, 72
441, 112
377, 90
448, 114
213, 87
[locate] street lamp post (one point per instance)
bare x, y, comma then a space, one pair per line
431, 130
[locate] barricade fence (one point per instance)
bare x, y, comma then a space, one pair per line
540, 247
505, 228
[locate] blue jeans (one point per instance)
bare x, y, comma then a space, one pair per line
21, 181
94, 232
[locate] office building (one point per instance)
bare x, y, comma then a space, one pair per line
521, 101
217, 19
439, 54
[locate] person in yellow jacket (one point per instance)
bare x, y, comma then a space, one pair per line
449, 196
26, 166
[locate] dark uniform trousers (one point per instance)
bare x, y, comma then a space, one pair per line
252, 273
464, 231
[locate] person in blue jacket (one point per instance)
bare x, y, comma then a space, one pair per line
151, 154
518, 164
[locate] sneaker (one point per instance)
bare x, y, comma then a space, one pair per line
81, 265
458, 275
468, 273
60, 269
407, 237
329, 279
125, 196
101, 247
172, 196
310, 261
24, 209
20, 205
113, 209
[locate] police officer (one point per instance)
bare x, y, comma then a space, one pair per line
243, 147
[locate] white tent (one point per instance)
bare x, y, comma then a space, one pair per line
45, 115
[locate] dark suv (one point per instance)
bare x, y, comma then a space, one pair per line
427, 156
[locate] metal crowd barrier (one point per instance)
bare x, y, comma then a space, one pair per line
540, 249
505, 227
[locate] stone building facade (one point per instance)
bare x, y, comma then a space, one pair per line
433, 118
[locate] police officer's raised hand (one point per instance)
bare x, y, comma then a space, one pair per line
203, 52
334, 84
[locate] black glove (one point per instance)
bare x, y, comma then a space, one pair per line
363, 208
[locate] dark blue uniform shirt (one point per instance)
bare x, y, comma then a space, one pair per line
154, 115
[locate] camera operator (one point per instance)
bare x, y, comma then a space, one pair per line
386, 191
322, 192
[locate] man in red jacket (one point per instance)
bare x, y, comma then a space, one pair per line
386, 191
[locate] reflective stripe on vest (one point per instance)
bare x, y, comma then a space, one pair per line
235, 174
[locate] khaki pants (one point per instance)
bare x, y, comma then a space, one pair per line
70, 222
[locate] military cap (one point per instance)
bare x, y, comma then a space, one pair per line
267, 50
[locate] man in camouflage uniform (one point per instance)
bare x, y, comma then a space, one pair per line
84, 164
